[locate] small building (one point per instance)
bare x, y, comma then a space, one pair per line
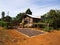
29, 20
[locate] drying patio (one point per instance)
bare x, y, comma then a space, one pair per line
30, 32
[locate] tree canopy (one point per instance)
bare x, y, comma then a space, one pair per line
3, 14
8, 19
28, 11
53, 18
20, 16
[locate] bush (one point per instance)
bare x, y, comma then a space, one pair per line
48, 29
41, 25
4, 24
38, 25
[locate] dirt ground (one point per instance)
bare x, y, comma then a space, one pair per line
12, 37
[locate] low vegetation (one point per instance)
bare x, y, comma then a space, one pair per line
50, 20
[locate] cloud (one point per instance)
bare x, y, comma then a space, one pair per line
38, 7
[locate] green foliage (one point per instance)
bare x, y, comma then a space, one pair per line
48, 29
28, 11
4, 24
8, 19
20, 16
41, 25
53, 18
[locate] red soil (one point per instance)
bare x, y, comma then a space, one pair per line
16, 38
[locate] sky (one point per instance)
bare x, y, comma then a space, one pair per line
38, 7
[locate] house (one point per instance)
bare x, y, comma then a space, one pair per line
28, 20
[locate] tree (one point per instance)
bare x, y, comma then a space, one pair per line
53, 18
28, 11
8, 19
3, 15
20, 16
